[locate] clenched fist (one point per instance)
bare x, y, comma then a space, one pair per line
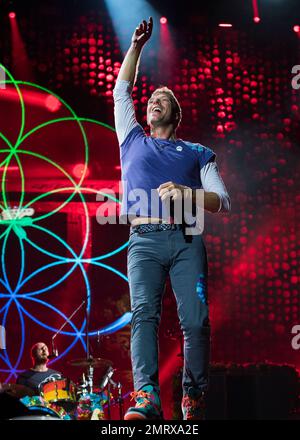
174, 191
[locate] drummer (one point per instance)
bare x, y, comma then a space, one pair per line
39, 372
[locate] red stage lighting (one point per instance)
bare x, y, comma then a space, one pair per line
163, 20
296, 28
79, 169
9, 168
225, 25
12, 15
256, 17
52, 103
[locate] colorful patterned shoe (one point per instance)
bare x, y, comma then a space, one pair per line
147, 405
193, 407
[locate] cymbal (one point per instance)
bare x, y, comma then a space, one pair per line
93, 362
16, 390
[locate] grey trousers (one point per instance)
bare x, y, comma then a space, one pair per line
152, 256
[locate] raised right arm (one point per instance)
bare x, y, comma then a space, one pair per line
125, 119
141, 35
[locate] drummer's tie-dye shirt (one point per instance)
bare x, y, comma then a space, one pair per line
33, 379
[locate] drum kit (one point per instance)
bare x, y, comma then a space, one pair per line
64, 399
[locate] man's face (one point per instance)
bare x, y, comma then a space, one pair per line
159, 110
41, 352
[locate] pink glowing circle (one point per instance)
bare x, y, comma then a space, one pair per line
52, 103
79, 169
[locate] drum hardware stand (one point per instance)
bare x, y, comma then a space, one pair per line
107, 377
90, 378
108, 401
120, 401
87, 384
107, 381
83, 386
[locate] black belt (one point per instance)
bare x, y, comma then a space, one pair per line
156, 227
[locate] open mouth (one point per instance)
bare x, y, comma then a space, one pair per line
156, 110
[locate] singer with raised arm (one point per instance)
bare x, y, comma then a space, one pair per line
39, 372
170, 169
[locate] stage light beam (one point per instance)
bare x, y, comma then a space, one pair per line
256, 17
21, 63
167, 50
125, 20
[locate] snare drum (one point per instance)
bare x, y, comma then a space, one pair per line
60, 390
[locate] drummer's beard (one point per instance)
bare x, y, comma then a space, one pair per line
41, 359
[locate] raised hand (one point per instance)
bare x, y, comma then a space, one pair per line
142, 33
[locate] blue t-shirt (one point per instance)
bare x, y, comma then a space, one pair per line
148, 162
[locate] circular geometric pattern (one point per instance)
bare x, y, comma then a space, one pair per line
18, 232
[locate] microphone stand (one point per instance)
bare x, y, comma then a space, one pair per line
54, 350
87, 318
90, 373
